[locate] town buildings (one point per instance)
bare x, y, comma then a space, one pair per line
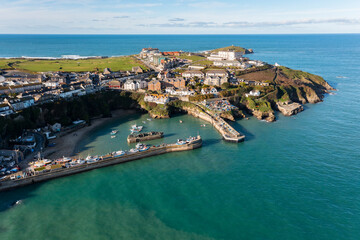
134, 85
216, 77
157, 98
154, 85
193, 73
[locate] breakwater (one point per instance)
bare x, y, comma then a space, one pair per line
228, 132
133, 138
9, 184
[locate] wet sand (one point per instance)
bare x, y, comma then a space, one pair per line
65, 145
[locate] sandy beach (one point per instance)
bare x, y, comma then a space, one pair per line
65, 145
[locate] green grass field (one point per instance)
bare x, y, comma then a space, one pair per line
230, 48
82, 65
193, 58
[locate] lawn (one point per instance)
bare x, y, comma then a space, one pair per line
81, 65
230, 48
193, 58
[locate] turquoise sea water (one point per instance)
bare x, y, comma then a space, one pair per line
297, 178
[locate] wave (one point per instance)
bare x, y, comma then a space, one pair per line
70, 57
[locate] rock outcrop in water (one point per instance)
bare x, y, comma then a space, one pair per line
289, 108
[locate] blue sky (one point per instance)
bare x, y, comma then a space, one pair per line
179, 16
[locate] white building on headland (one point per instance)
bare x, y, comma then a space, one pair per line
225, 55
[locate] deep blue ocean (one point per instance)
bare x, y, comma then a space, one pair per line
297, 178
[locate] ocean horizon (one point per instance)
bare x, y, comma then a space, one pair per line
297, 178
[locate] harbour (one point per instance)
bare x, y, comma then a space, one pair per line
20, 180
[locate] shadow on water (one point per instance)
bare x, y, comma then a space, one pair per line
248, 135
8, 198
169, 135
211, 141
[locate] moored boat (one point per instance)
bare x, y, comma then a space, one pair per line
118, 153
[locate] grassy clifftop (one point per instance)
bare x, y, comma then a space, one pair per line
232, 48
66, 65
298, 76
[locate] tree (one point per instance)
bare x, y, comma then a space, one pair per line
225, 85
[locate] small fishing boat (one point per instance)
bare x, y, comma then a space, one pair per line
180, 121
135, 128
142, 147
18, 202
113, 132
90, 159
149, 119
180, 142
113, 136
118, 153
133, 150
144, 122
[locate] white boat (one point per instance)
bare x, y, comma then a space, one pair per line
113, 132
180, 142
133, 150
91, 159
113, 136
118, 153
149, 119
135, 128
180, 121
144, 122
142, 147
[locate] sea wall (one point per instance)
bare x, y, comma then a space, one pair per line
11, 184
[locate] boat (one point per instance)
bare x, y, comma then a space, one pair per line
144, 122
113, 132
113, 136
180, 142
180, 121
91, 159
135, 128
142, 147
118, 153
133, 150
149, 119
18, 202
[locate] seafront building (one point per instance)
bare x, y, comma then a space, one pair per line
157, 98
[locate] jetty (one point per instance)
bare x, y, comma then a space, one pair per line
225, 129
142, 137
21, 179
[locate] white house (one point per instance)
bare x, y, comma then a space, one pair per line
256, 63
216, 77
193, 73
157, 98
227, 63
254, 93
22, 103
5, 110
183, 92
133, 85
209, 91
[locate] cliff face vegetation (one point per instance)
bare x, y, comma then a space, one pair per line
65, 112
291, 85
286, 86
